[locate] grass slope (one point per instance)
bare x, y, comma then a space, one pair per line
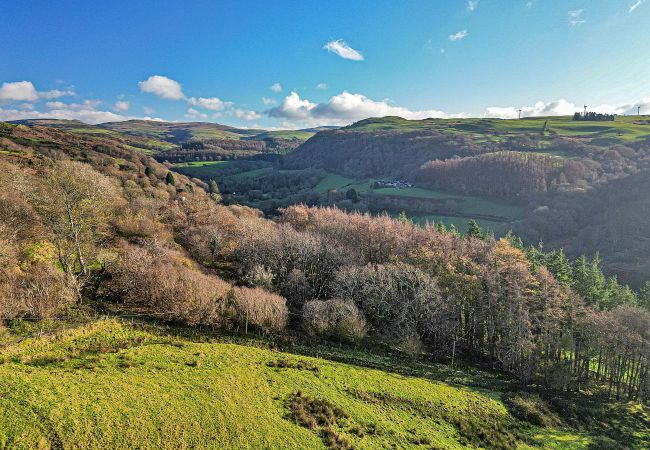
107, 385
623, 129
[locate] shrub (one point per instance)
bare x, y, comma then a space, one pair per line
133, 226
260, 276
40, 291
336, 319
533, 409
261, 308
411, 345
158, 279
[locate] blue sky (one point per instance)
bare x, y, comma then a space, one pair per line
292, 64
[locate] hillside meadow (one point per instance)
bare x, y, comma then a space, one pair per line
105, 384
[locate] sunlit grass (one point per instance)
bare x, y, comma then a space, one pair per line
108, 385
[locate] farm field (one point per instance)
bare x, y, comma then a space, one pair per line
467, 207
109, 385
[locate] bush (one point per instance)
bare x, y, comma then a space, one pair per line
532, 409
162, 281
336, 319
411, 345
261, 308
41, 291
260, 276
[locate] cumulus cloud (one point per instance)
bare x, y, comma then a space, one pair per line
341, 48
211, 103
163, 87
121, 105
84, 112
576, 17
55, 93
246, 115
195, 114
636, 5
321, 86
471, 5
345, 108
462, 34
25, 91
18, 91
269, 101
276, 87
148, 111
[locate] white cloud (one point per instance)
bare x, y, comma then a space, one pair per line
471, 5
345, 108
56, 105
163, 87
211, 103
341, 48
59, 110
246, 115
293, 108
636, 5
276, 87
148, 111
321, 86
24, 91
576, 17
55, 93
269, 101
195, 114
121, 105
458, 36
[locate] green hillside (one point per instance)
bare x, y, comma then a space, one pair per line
623, 129
107, 385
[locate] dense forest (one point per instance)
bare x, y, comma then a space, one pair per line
380, 153
92, 221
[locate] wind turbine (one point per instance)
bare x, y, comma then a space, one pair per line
519, 110
638, 110
585, 110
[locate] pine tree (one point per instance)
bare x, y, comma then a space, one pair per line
148, 171
558, 264
402, 217
589, 280
644, 296
352, 194
169, 179
475, 230
514, 240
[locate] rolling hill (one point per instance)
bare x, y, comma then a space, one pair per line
196, 324
550, 167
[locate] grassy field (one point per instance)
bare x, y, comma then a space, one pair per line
109, 385
285, 134
623, 129
466, 207
200, 164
